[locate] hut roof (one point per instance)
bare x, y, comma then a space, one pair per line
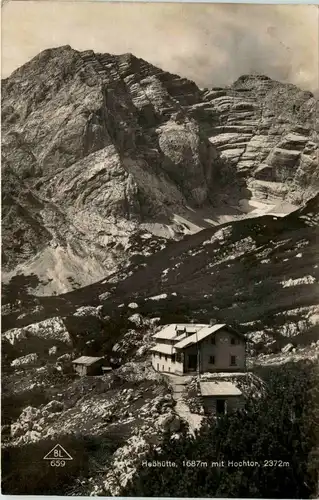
86, 360
219, 389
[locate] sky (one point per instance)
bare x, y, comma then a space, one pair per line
212, 44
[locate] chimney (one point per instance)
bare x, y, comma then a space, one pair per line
212, 322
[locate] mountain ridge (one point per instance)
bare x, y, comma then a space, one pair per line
106, 147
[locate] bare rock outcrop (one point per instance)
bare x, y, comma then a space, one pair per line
98, 149
51, 330
29, 359
91, 140
268, 132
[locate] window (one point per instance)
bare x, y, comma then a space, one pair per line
165, 358
160, 356
211, 360
234, 341
178, 357
233, 361
213, 340
173, 358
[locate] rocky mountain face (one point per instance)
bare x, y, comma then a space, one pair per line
108, 158
148, 201
259, 273
269, 132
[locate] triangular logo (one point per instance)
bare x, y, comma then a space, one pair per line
58, 453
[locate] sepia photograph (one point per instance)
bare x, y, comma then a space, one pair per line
160, 249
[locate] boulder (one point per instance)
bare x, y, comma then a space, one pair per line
154, 321
64, 357
89, 311
175, 437
168, 422
29, 437
133, 305
137, 319
54, 406
29, 359
287, 348
17, 430
48, 329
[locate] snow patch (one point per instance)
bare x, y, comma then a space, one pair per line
306, 280
158, 297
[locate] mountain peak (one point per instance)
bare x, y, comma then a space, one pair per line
252, 81
97, 138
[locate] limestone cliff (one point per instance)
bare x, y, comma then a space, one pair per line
269, 132
98, 149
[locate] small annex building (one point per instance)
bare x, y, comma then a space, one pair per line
88, 365
190, 348
219, 397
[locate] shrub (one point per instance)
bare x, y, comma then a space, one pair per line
280, 426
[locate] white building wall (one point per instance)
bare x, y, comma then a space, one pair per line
162, 363
232, 403
178, 367
222, 351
